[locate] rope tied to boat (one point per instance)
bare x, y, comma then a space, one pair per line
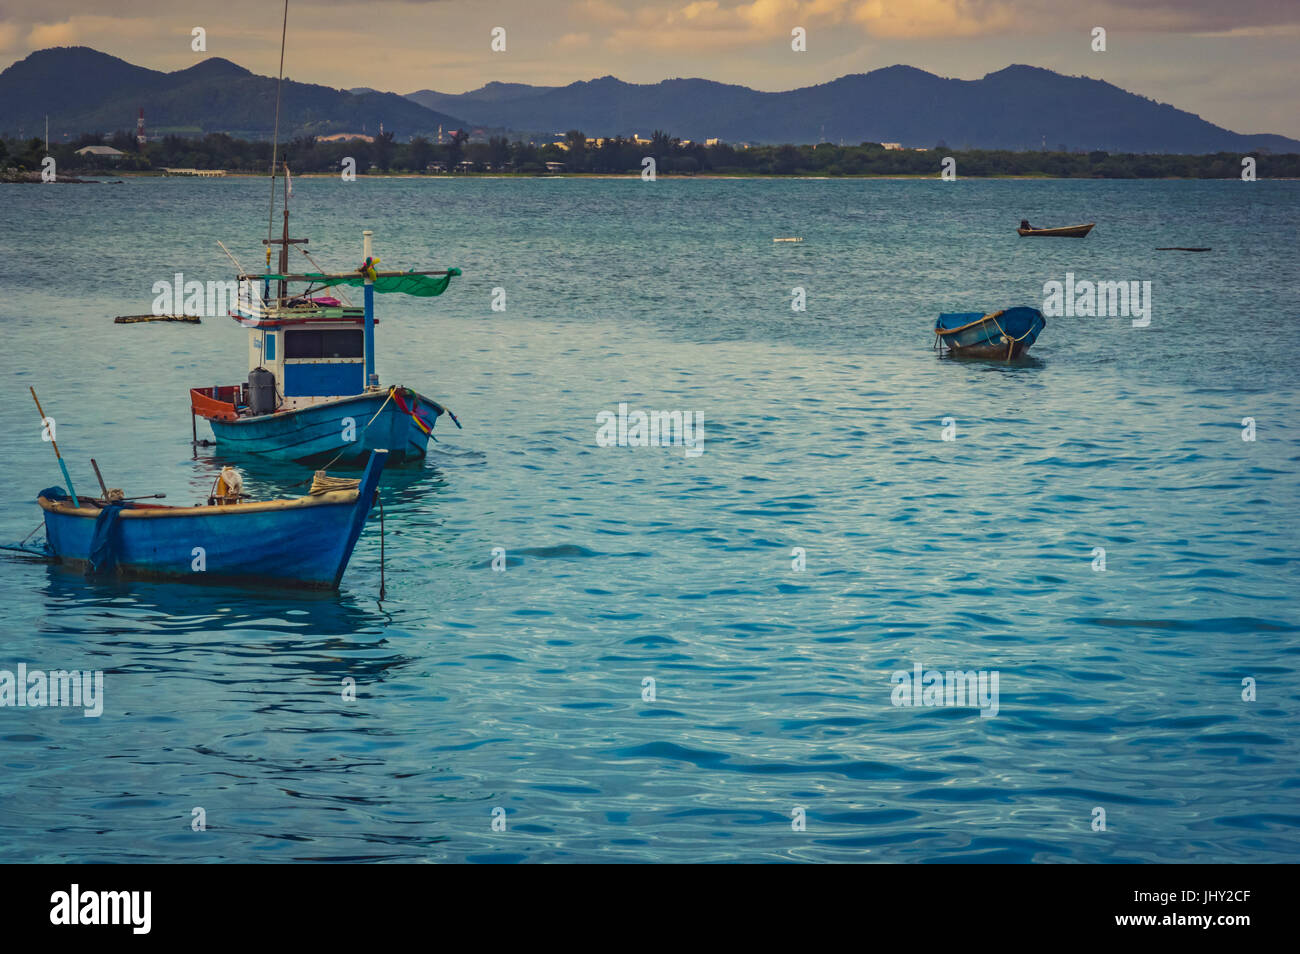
383, 583
363, 430
1011, 342
323, 483
1003, 333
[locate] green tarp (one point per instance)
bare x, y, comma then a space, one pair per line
422, 286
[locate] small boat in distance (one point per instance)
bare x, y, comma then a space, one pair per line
299, 542
1065, 231
1002, 334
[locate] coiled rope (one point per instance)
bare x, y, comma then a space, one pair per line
323, 483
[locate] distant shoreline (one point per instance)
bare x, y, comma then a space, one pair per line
219, 156
632, 176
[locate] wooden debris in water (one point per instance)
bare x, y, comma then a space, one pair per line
1180, 248
793, 238
132, 319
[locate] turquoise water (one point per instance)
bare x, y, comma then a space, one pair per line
522, 690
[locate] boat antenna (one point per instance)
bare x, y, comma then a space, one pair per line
342, 294
232, 258
275, 138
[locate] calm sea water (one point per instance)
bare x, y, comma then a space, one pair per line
522, 690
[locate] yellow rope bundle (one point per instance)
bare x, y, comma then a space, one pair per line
323, 483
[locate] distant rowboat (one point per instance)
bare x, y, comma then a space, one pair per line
300, 542
1003, 334
1065, 231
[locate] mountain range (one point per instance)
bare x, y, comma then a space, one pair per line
1019, 107
83, 90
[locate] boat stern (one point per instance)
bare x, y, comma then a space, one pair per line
218, 403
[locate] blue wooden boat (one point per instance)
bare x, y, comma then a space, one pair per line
300, 542
312, 394
1002, 334
344, 430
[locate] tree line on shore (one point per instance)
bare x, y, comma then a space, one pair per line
619, 155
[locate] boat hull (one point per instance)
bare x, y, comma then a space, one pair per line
342, 431
304, 542
1002, 335
1065, 231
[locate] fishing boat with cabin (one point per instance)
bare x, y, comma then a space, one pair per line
312, 393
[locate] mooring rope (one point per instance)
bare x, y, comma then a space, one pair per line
368, 423
383, 588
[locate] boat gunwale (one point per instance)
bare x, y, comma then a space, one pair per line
331, 498
330, 401
980, 320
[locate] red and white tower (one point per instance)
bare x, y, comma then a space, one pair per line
139, 129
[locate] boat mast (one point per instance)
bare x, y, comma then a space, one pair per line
284, 242
284, 238
275, 152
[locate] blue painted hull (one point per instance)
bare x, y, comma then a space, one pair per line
318, 434
305, 542
1004, 334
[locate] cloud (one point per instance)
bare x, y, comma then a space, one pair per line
603, 12
9, 34
1274, 30
934, 18
54, 34
573, 41
735, 22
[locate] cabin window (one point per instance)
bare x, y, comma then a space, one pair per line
270, 347
332, 343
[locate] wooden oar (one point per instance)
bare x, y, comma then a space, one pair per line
62, 465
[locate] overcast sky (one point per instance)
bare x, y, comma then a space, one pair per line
1234, 63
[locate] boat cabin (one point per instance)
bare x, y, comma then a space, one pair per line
314, 347
304, 352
